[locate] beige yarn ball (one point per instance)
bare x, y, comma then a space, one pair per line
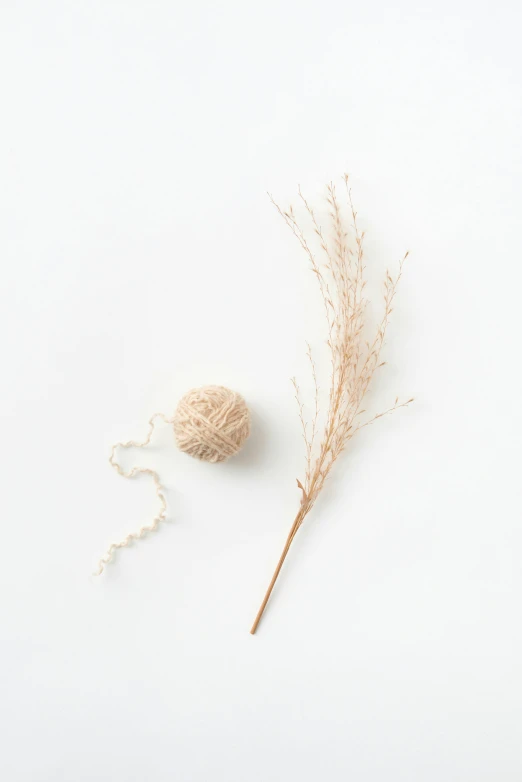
211, 423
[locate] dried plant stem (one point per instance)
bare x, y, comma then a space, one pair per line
354, 360
295, 526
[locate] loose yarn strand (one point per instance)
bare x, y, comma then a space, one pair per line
136, 471
210, 423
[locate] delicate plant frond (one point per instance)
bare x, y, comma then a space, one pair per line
354, 359
391, 409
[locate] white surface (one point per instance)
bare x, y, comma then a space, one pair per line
140, 257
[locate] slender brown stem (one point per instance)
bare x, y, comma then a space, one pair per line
354, 360
291, 536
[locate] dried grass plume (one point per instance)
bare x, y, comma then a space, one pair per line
354, 360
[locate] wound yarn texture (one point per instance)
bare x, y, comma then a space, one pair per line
211, 423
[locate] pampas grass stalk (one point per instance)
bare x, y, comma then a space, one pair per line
354, 360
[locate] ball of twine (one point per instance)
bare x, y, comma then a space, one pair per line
211, 423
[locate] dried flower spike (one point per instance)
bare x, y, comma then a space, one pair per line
353, 360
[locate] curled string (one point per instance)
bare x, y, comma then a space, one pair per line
107, 557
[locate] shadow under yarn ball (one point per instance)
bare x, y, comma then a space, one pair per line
211, 423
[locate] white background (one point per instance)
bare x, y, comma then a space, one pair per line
140, 257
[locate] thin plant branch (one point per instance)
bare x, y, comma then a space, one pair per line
340, 274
